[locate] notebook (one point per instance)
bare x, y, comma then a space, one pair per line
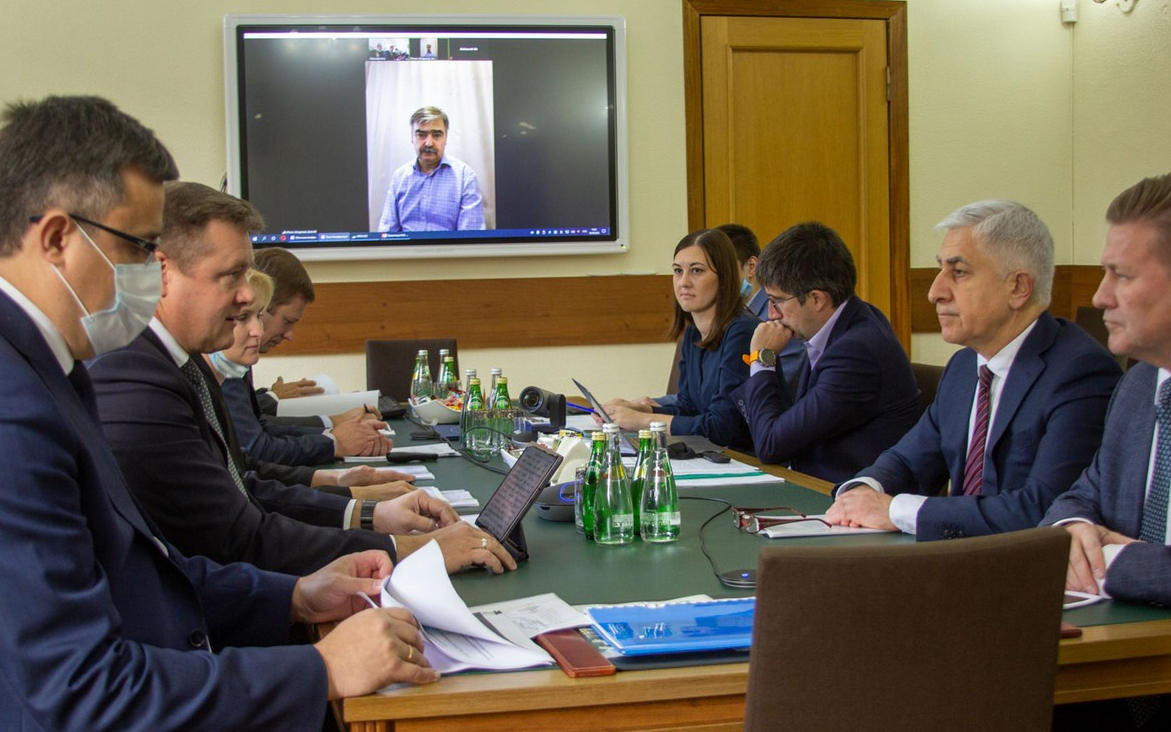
708, 625
515, 495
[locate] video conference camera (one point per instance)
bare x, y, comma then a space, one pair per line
542, 403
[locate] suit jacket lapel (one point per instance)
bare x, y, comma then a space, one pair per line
1026, 368
1139, 408
809, 375
74, 397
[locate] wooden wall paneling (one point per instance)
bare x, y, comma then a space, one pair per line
492, 313
1073, 286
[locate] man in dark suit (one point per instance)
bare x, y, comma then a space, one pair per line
1117, 509
855, 394
107, 626
177, 451
302, 440
1018, 411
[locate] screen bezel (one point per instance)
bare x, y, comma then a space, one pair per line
424, 250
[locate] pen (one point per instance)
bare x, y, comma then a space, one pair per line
579, 407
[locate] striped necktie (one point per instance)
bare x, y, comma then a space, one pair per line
195, 376
1154, 525
974, 467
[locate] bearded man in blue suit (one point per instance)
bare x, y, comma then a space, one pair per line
1043, 382
106, 625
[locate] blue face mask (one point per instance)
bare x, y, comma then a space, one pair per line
745, 288
228, 368
137, 289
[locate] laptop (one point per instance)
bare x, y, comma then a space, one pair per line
515, 495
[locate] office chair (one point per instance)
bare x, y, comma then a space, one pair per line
389, 364
927, 377
948, 635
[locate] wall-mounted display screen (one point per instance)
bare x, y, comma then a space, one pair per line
363, 137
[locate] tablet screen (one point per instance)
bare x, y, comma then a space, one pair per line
517, 492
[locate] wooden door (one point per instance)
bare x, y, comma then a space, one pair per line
795, 125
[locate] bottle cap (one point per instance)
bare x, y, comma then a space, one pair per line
644, 434
449, 358
658, 426
422, 352
496, 371
502, 380
610, 428
599, 436
473, 382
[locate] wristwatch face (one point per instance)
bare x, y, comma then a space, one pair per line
768, 358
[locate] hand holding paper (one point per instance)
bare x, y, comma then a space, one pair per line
452, 638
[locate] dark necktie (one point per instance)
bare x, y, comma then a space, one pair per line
974, 467
1154, 526
193, 374
79, 379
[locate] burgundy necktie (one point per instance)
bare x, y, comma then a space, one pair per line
974, 468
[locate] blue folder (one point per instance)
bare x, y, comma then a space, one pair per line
677, 627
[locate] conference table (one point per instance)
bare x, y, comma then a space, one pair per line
1125, 650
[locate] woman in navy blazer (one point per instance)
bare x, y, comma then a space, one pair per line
710, 317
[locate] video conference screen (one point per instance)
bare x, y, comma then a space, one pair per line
359, 139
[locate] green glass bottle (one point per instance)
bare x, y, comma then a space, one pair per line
448, 383
502, 415
613, 511
421, 385
660, 520
646, 448
473, 434
590, 484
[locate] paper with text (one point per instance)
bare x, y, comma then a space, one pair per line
453, 639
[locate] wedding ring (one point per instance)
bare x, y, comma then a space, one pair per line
483, 543
410, 653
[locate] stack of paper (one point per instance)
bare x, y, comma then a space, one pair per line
453, 639
326, 403
810, 527
700, 472
457, 498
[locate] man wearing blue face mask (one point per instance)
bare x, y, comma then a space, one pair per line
129, 633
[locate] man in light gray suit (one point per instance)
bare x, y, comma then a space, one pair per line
1117, 509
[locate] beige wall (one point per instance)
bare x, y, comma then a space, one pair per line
1004, 101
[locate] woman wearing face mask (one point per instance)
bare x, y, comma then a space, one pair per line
233, 363
716, 331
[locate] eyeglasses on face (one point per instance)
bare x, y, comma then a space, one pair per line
146, 245
776, 302
750, 520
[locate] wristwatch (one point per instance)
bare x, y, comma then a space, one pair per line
366, 517
766, 356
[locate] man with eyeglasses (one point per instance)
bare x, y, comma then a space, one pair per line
107, 626
1018, 412
855, 393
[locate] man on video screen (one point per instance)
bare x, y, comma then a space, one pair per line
435, 192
